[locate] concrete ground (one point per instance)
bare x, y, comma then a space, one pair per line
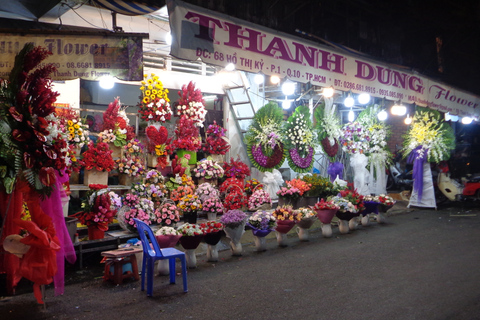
421, 264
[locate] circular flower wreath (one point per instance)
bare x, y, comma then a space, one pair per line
355, 138
299, 140
264, 139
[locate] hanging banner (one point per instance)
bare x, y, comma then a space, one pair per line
88, 57
219, 39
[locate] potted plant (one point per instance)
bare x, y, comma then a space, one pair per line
261, 224
190, 205
286, 219
97, 212
212, 232
234, 227
97, 161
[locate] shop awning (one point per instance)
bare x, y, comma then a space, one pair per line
218, 39
129, 8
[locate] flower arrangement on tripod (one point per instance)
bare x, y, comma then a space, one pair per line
34, 146
264, 138
77, 129
299, 139
116, 123
187, 137
328, 128
159, 146
236, 169
191, 104
155, 104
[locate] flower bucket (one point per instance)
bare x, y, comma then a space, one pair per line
370, 207
261, 232
212, 238
167, 241
193, 155
95, 177
284, 226
190, 217
305, 202
117, 151
213, 182
191, 242
235, 234
384, 208
94, 233
126, 179
288, 202
325, 216
346, 215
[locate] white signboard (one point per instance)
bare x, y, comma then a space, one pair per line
219, 39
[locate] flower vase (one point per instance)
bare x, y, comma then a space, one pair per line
94, 176
365, 221
288, 202
235, 234
305, 202
212, 239
117, 151
190, 217
281, 230
94, 233
380, 218
125, 179
343, 226
303, 226
165, 241
353, 223
151, 160
190, 243
326, 216
211, 216
259, 236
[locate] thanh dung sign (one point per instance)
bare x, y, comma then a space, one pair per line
218, 39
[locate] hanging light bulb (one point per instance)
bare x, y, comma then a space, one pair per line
364, 98
286, 104
328, 92
275, 79
288, 88
351, 115
106, 82
230, 67
398, 109
168, 38
348, 102
259, 78
382, 115
408, 120
467, 120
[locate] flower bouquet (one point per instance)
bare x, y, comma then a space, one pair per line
34, 146
235, 198
167, 214
234, 222
261, 223
97, 160
216, 142
187, 139
259, 200
191, 104
180, 192
206, 190
346, 213
236, 169
251, 185
306, 218
212, 231
97, 212
303, 187
130, 166
325, 211
167, 237
190, 205
159, 146
77, 128
208, 169
151, 191
288, 195
299, 140
155, 104
115, 121
264, 138
320, 187
213, 206
286, 219
192, 235
136, 207
230, 184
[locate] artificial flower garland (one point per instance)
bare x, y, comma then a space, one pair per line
299, 140
264, 139
328, 128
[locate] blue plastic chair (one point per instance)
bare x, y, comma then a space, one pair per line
150, 255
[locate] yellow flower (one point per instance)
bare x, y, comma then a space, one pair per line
71, 129
146, 100
154, 91
149, 81
142, 88
152, 97
70, 122
76, 126
130, 150
150, 87
147, 93
71, 136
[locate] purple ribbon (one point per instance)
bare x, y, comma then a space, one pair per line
418, 160
335, 169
